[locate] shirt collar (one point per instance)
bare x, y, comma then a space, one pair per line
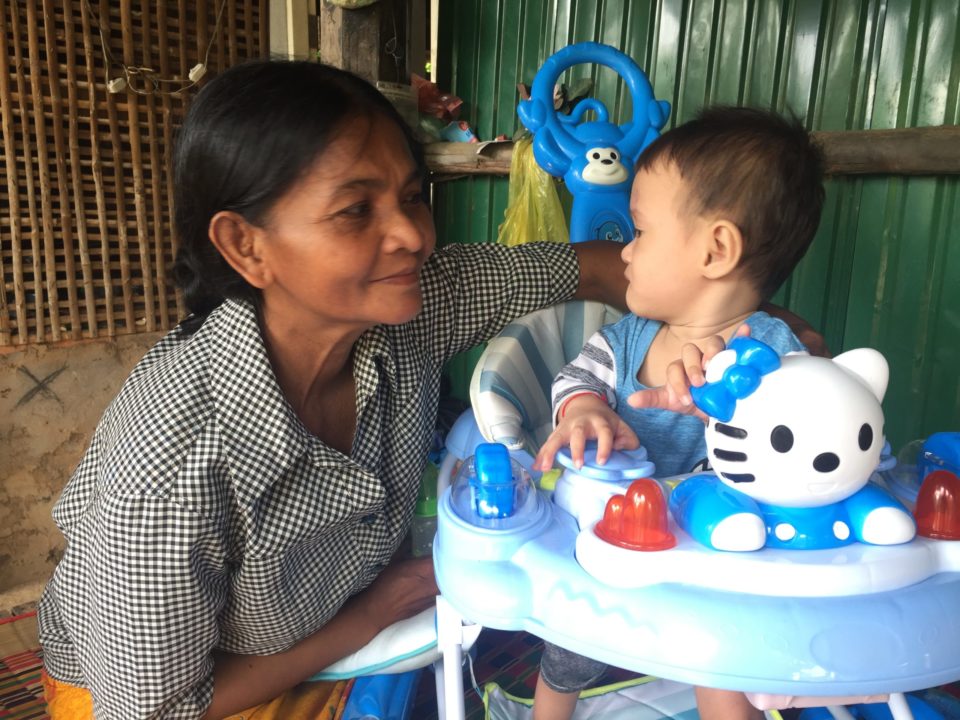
261, 434
374, 347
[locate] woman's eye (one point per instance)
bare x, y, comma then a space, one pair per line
358, 210
637, 232
414, 198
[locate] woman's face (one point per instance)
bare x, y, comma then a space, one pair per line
345, 245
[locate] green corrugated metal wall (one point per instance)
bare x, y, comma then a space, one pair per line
884, 270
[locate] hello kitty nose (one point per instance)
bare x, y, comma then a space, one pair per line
825, 462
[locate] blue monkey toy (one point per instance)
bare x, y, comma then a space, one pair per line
594, 158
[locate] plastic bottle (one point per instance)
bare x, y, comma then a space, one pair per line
424, 526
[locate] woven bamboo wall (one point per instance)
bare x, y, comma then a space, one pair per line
86, 192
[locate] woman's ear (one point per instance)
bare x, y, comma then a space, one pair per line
239, 243
724, 248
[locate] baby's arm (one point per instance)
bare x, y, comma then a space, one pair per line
583, 395
687, 371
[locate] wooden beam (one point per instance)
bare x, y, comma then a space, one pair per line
418, 48
903, 151
906, 151
460, 158
350, 39
369, 41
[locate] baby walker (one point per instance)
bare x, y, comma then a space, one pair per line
786, 574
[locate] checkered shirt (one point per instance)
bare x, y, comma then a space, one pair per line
205, 516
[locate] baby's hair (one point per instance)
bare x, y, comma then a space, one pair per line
761, 169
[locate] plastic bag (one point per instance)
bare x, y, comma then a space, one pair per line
533, 210
434, 103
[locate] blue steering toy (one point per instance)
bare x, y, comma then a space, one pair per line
595, 158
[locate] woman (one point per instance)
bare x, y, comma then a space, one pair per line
232, 527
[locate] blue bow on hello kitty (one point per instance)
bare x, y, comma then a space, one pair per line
754, 360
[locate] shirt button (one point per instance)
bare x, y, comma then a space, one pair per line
369, 519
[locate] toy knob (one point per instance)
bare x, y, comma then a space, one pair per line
938, 506
494, 486
637, 520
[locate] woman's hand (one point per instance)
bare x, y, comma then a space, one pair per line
601, 272
404, 588
586, 417
683, 374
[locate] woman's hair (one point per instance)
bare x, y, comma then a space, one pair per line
250, 134
764, 170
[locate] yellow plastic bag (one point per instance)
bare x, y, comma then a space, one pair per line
533, 210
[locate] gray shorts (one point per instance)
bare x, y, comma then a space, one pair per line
566, 671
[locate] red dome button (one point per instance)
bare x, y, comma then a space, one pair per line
938, 506
637, 521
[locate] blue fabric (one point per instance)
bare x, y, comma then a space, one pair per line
528, 346
675, 443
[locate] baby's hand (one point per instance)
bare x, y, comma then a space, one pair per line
688, 371
586, 417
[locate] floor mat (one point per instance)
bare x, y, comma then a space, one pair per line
21, 695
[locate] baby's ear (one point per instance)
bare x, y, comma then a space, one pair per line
723, 249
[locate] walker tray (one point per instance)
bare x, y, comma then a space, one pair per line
854, 620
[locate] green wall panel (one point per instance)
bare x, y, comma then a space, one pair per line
884, 270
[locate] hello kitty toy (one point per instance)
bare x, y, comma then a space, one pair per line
793, 442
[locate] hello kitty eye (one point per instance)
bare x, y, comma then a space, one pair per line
613, 155
596, 156
781, 439
866, 437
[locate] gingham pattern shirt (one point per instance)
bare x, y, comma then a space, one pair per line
205, 516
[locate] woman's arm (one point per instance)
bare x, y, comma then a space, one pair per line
801, 328
472, 291
240, 681
601, 272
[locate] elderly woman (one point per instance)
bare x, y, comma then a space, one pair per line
232, 527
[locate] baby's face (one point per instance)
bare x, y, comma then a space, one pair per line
664, 256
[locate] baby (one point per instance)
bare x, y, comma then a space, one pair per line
724, 208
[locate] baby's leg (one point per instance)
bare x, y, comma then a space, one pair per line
563, 674
713, 704
549, 704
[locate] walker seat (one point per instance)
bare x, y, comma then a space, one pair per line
510, 388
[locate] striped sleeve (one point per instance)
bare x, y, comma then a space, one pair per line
593, 370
